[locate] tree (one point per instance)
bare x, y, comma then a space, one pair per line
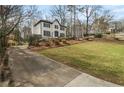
101, 22
70, 8
10, 17
88, 11
17, 35
32, 15
122, 24
59, 12
73, 17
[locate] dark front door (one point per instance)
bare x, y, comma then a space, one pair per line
56, 34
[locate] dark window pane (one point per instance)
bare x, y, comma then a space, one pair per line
62, 28
56, 34
56, 27
46, 33
46, 25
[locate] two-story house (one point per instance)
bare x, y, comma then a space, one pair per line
47, 29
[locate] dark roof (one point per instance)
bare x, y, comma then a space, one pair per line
42, 21
48, 22
59, 23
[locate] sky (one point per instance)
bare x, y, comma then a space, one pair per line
117, 10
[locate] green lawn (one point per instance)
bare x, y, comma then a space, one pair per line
100, 59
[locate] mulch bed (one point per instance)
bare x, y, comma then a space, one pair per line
69, 42
72, 42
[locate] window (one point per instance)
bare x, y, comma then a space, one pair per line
46, 25
56, 34
62, 34
56, 27
46, 33
62, 28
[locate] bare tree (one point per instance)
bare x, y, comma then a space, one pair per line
88, 11
32, 16
71, 10
73, 17
10, 17
101, 22
122, 24
48, 17
59, 12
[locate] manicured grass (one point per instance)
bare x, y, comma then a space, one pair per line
100, 59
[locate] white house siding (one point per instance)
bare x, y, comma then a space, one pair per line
46, 29
22, 34
59, 31
64, 32
41, 32
53, 28
37, 30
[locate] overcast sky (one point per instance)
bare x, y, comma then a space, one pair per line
117, 10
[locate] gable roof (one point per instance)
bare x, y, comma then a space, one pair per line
42, 21
48, 22
59, 23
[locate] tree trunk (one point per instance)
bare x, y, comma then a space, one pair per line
3, 57
74, 36
3, 46
71, 26
87, 26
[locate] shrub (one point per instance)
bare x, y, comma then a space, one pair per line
50, 43
60, 39
108, 33
98, 35
65, 42
56, 42
34, 40
47, 43
85, 35
69, 38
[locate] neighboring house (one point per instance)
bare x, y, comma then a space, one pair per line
26, 32
111, 27
47, 29
114, 27
119, 36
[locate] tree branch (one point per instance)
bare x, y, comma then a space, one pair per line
11, 29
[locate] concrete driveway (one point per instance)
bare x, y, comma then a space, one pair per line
31, 69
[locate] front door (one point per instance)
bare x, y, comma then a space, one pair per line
56, 33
